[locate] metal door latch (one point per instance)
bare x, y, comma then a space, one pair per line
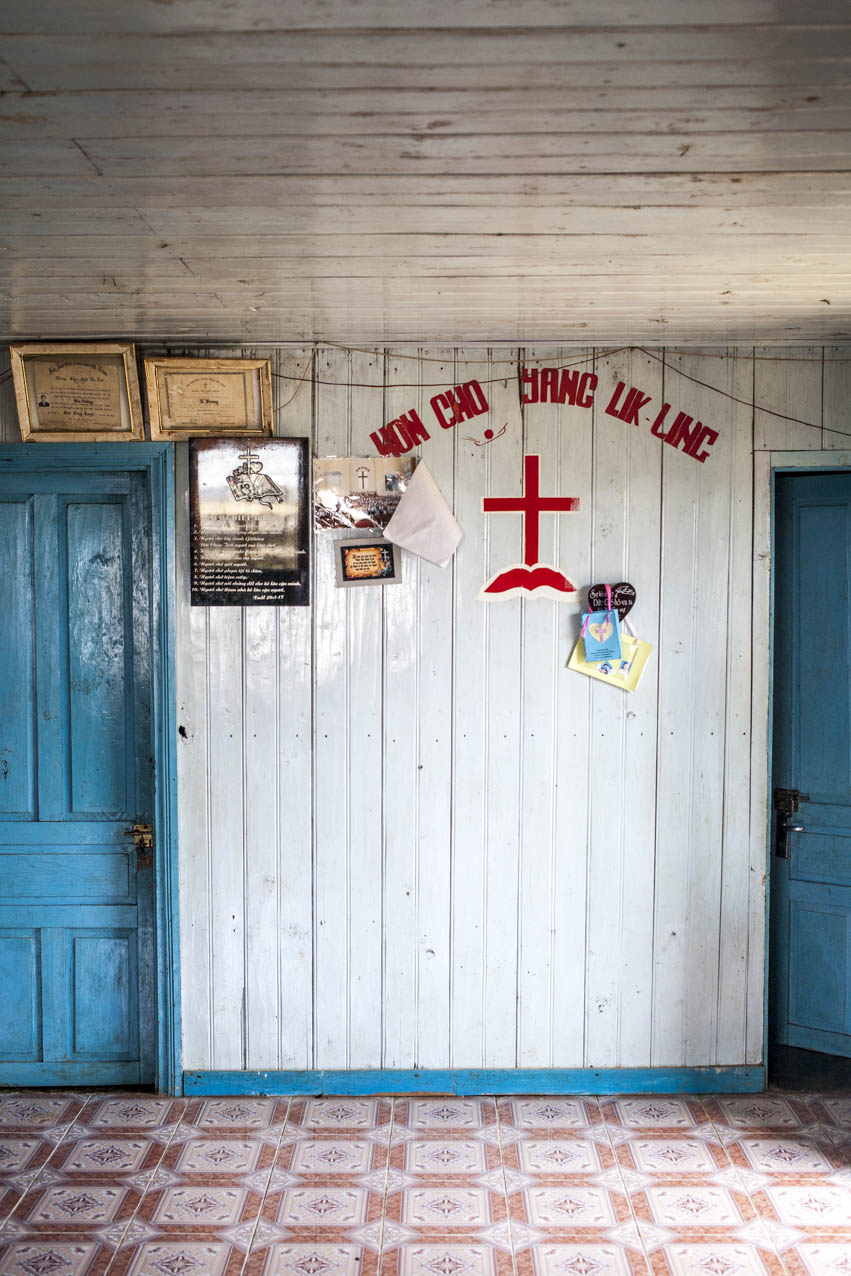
786, 803
143, 840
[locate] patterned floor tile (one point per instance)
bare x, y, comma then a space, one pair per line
445, 1113
343, 1114
693, 1205
672, 1154
132, 1112
179, 1257
219, 1156
836, 1108
29, 1111
716, 1258
321, 1207
584, 1258
54, 1256
670, 1185
332, 1156
819, 1258
450, 1258
559, 1156
759, 1112
784, 1154
449, 1207
77, 1206
654, 1112
239, 1113
561, 1208
814, 1204
447, 1157
108, 1156
288, 1258
544, 1114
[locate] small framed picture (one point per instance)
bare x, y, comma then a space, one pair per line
73, 393
367, 562
209, 398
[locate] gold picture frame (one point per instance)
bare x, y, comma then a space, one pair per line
209, 398
70, 392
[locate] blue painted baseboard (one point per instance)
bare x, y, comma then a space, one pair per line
745, 1079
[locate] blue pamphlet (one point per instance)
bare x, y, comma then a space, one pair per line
602, 634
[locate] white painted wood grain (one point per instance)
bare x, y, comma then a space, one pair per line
365, 774
470, 761
541, 657
836, 421
585, 886
572, 759
294, 416
503, 655
643, 490
400, 830
436, 694
733, 946
791, 388
194, 777
331, 795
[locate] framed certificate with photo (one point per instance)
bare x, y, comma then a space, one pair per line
209, 398
77, 393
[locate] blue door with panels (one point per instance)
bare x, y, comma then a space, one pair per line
76, 779
810, 988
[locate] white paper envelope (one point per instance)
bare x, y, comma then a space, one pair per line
423, 523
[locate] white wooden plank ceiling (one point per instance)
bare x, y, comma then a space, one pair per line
654, 170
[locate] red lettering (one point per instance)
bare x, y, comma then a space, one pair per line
464, 408
679, 430
529, 376
410, 424
388, 442
612, 408
463, 402
438, 404
656, 427
587, 386
635, 401
703, 437
549, 386
477, 396
567, 386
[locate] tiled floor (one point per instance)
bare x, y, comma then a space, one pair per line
139, 1185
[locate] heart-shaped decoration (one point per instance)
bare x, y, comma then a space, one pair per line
623, 598
600, 632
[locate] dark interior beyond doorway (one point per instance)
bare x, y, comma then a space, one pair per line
793, 1069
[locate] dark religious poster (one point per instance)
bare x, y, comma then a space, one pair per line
249, 502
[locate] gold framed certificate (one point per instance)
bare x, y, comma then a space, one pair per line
209, 398
77, 393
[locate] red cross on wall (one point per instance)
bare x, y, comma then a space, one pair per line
532, 576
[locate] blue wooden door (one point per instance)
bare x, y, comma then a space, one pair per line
810, 992
76, 772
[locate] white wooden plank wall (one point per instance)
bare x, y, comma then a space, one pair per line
409, 836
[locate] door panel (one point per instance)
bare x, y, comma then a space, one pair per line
75, 669
17, 606
810, 991
20, 966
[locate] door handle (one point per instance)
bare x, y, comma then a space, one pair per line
781, 840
